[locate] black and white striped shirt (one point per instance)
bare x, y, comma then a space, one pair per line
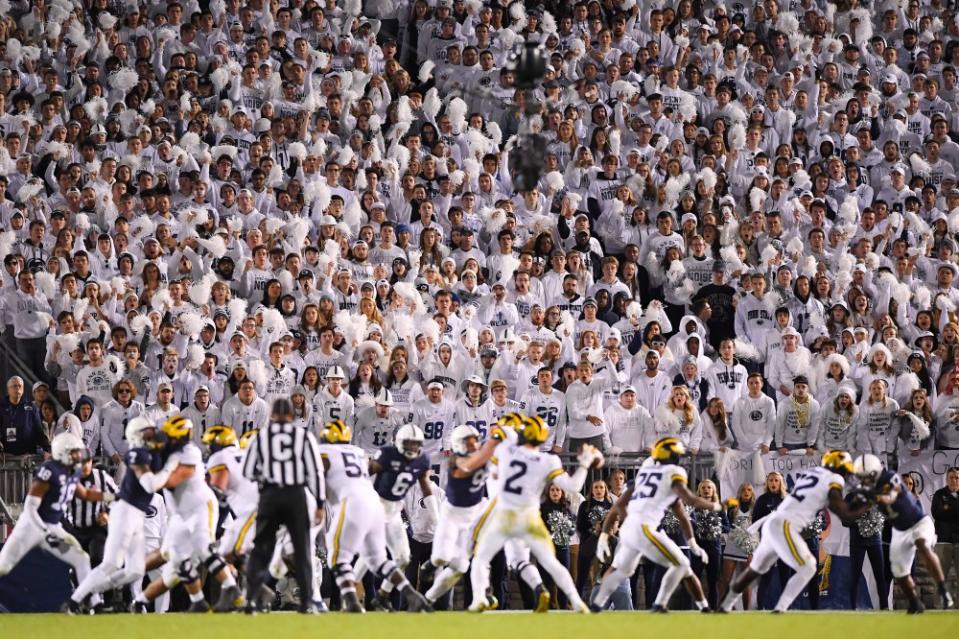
286, 455
82, 513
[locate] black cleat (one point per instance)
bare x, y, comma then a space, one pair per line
706, 610
320, 607
946, 600
230, 599
595, 607
381, 602
416, 602
659, 609
351, 603
101, 609
71, 607
915, 607
199, 606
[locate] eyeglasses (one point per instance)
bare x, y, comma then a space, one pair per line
124, 391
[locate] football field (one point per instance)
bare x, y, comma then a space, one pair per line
675, 625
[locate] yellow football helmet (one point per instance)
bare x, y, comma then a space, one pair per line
511, 420
668, 450
219, 436
533, 429
838, 461
177, 428
336, 432
247, 437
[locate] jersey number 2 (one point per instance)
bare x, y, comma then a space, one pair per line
520, 468
803, 483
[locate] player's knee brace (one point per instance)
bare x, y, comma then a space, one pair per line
385, 569
518, 567
214, 563
343, 574
185, 571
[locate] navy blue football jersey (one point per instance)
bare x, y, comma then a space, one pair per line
906, 511
464, 492
398, 473
63, 483
130, 489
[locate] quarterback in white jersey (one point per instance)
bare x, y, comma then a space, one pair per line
358, 525
813, 490
660, 486
225, 468
524, 473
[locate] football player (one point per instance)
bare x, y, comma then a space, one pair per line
658, 488
225, 469
912, 529
465, 484
194, 512
396, 468
55, 482
358, 526
124, 554
524, 473
814, 489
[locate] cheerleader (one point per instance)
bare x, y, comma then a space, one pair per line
709, 527
739, 543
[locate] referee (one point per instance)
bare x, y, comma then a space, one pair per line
284, 459
87, 520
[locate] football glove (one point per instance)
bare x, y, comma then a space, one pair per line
698, 551
602, 548
588, 456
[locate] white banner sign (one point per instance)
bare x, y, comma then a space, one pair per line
928, 470
737, 467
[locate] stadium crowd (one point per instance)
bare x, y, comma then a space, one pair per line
744, 232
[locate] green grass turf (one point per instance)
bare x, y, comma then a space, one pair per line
932, 625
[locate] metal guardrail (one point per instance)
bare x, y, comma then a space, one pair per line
11, 364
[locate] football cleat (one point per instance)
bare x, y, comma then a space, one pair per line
230, 599
916, 607
139, 608
381, 602
542, 598
199, 606
416, 602
351, 603
71, 607
581, 608
659, 609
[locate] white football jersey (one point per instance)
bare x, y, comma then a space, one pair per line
653, 492
809, 495
192, 494
522, 475
241, 494
348, 472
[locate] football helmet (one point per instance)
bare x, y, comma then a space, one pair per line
409, 440
136, 433
533, 429
219, 437
866, 467
668, 450
68, 449
247, 437
459, 437
510, 420
336, 432
838, 461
